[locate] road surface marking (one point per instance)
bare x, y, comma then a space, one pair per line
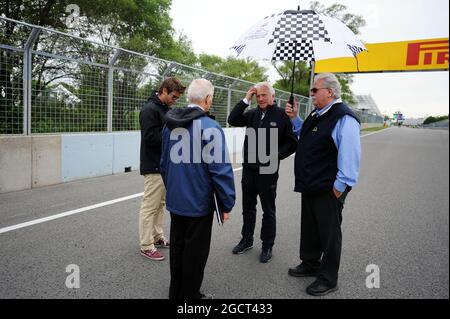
75, 211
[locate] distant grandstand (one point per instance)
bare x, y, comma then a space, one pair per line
366, 103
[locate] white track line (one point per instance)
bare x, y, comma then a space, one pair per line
75, 211
68, 213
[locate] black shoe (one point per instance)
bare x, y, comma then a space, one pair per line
302, 271
266, 255
320, 288
242, 247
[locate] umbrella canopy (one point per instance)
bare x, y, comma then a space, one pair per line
298, 36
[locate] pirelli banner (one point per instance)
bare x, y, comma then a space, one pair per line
417, 55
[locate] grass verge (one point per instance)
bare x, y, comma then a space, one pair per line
373, 129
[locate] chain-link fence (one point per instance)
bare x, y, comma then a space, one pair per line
365, 117
53, 82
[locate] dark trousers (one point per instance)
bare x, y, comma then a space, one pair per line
190, 239
321, 236
264, 185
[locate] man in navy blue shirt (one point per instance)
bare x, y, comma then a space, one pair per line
326, 168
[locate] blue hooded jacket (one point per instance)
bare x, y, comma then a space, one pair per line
195, 163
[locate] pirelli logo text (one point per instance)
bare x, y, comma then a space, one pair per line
427, 53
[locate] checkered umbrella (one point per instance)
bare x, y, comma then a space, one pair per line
298, 36
314, 35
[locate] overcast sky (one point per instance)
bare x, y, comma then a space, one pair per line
214, 25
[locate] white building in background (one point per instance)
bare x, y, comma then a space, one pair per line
413, 122
367, 104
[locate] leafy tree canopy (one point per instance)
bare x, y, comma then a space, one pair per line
433, 119
128, 23
238, 68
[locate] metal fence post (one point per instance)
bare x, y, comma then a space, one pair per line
228, 105
27, 74
111, 90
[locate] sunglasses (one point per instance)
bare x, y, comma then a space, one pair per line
315, 90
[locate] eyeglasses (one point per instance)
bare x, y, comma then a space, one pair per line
314, 90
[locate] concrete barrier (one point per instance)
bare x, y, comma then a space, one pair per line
86, 155
46, 160
126, 147
34, 161
15, 163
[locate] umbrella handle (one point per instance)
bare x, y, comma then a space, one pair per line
291, 99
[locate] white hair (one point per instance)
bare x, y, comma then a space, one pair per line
330, 81
267, 85
199, 89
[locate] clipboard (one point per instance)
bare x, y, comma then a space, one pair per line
218, 211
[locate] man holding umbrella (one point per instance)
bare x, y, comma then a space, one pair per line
326, 168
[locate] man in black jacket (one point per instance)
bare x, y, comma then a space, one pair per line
269, 130
152, 121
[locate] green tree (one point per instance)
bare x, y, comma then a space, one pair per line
338, 11
139, 25
144, 24
347, 95
433, 119
302, 74
179, 49
244, 69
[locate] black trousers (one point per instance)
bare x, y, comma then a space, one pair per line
321, 236
264, 185
190, 239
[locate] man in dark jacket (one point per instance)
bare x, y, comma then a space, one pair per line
269, 130
326, 168
194, 166
151, 213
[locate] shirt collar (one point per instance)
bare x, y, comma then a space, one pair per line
324, 110
196, 105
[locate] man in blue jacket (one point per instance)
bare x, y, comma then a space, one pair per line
326, 168
194, 166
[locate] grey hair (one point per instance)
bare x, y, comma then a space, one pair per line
198, 90
267, 85
330, 81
